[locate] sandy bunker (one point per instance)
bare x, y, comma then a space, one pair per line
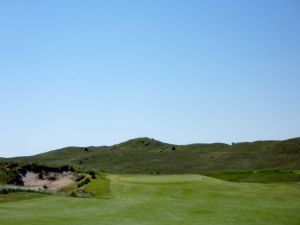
52, 181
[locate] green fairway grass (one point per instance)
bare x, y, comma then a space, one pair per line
161, 200
18, 196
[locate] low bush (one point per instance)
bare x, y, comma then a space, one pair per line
73, 194
81, 177
4, 191
92, 173
85, 181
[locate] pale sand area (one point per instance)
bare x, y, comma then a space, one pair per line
32, 180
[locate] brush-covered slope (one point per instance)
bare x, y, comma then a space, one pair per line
144, 155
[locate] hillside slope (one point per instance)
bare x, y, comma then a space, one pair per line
148, 156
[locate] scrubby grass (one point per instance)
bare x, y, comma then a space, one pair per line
9, 175
4, 178
148, 156
163, 200
99, 187
260, 176
4, 189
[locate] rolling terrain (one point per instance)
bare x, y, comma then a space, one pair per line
149, 156
144, 182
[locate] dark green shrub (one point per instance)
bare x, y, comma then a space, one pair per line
81, 177
87, 180
73, 194
92, 173
4, 191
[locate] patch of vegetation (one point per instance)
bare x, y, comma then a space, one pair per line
99, 187
9, 174
92, 173
73, 194
261, 176
12, 172
39, 168
7, 190
77, 189
4, 177
83, 182
80, 177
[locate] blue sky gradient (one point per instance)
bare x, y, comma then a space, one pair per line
101, 72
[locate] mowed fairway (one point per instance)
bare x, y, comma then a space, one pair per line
163, 199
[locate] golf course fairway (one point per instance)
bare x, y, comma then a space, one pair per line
158, 200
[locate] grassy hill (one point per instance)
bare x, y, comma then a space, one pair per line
149, 156
160, 200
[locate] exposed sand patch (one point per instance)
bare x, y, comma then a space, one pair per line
53, 181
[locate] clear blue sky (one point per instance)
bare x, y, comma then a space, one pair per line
101, 72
